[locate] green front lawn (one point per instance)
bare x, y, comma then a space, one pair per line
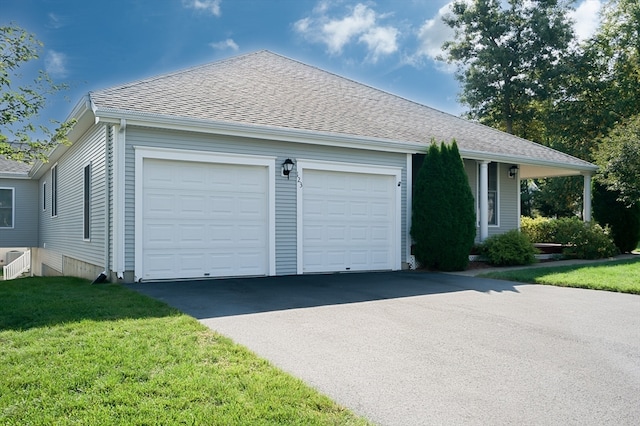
76, 353
622, 276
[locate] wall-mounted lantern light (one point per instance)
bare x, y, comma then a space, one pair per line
513, 172
287, 166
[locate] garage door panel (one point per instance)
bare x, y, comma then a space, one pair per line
204, 219
358, 234
159, 204
348, 221
159, 235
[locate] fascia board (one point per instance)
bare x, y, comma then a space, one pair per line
304, 136
80, 113
7, 175
515, 159
257, 132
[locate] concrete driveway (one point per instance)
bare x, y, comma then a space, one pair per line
412, 348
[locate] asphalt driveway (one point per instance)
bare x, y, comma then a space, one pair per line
411, 348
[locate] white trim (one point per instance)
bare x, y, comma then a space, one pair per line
586, 198
409, 189
54, 188
86, 210
141, 153
118, 170
483, 199
317, 138
13, 207
301, 165
257, 131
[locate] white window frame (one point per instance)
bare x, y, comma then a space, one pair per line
44, 196
86, 202
13, 207
54, 190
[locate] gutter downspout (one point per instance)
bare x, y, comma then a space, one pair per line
118, 198
108, 170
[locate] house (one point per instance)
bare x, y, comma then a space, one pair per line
186, 175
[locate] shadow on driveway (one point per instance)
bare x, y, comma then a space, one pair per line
239, 296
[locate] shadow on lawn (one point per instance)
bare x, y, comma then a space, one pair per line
36, 302
238, 296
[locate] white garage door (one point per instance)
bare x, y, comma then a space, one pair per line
203, 219
349, 221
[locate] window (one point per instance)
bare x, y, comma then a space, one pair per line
54, 190
6, 207
44, 196
87, 202
493, 193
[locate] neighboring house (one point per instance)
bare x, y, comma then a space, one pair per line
181, 176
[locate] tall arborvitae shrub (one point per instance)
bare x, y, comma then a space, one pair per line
623, 220
443, 218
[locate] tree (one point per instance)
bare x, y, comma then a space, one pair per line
443, 217
603, 86
623, 219
507, 58
20, 103
618, 156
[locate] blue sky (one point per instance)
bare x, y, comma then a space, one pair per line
388, 44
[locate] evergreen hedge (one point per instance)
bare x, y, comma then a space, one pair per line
623, 220
443, 223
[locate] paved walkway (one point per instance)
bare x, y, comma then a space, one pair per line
476, 272
416, 348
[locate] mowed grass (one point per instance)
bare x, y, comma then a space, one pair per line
621, 276
72, 353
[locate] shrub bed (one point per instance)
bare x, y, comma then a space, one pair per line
581, 241
509, 249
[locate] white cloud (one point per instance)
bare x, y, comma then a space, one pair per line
433, 33
55, 21
225, 44
586, 18
337, 33
381, 41
358, 26
56, 64
211, 6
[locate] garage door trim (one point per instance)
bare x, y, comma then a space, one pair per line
142, 153
348, 168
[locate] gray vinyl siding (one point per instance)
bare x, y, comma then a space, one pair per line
63, 233
25, 214
286, 251
507, 192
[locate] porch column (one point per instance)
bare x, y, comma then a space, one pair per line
586, 198
483, 200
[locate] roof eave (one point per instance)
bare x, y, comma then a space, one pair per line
134, 118
256, 131
553, 168
83, 114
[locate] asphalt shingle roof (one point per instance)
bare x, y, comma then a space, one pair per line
266, 89
13, 167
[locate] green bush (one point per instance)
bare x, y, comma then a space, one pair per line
509, 249
539, 229
590, 241
582, 241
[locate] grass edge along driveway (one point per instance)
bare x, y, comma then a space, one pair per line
621, 276
76, 353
